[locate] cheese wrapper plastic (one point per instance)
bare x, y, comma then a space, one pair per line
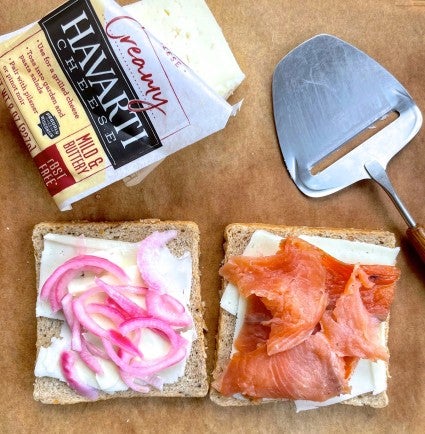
97, 98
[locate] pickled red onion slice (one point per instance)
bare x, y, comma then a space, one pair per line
178, 344
155, 381
67, 309
70, 319
89, 359
132, 383
108, 311
67, 364
140, 367
152, 380
55, 287
117, 294
93, 327
114, 356
76, 336
136, 290
61, 287
168, 309
95, 349
148, 259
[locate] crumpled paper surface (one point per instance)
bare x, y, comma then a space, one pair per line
236, 175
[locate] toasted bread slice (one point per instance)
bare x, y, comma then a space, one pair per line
195, 381
237, 236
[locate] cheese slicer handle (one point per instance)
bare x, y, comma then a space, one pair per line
415, 232
416, 237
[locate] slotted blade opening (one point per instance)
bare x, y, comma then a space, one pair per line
351, 144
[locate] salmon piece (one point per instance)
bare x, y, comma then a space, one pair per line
351, 330
377, 291
310, 370
253, 332
350, 365
291, 284
379, 296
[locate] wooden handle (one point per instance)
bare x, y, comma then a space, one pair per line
416, 236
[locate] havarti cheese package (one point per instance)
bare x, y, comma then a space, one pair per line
97, 97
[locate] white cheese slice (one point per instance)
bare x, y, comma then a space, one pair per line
354, 252
109, 381
189, 30
47, 363
368, 376
57, 250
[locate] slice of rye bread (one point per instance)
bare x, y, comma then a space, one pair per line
195, 380
237, 236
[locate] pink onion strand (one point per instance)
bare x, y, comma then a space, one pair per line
67, 363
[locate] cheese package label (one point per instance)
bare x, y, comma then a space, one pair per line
96, 97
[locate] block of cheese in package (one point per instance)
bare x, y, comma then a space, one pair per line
97, 97
188, 28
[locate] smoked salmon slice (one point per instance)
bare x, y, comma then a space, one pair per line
309, 320
351, 330
310, 370
377, 291
291, 284
254, 331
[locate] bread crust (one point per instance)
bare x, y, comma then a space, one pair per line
195, 381
237, 236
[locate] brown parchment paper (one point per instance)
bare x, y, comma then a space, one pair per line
236, 175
